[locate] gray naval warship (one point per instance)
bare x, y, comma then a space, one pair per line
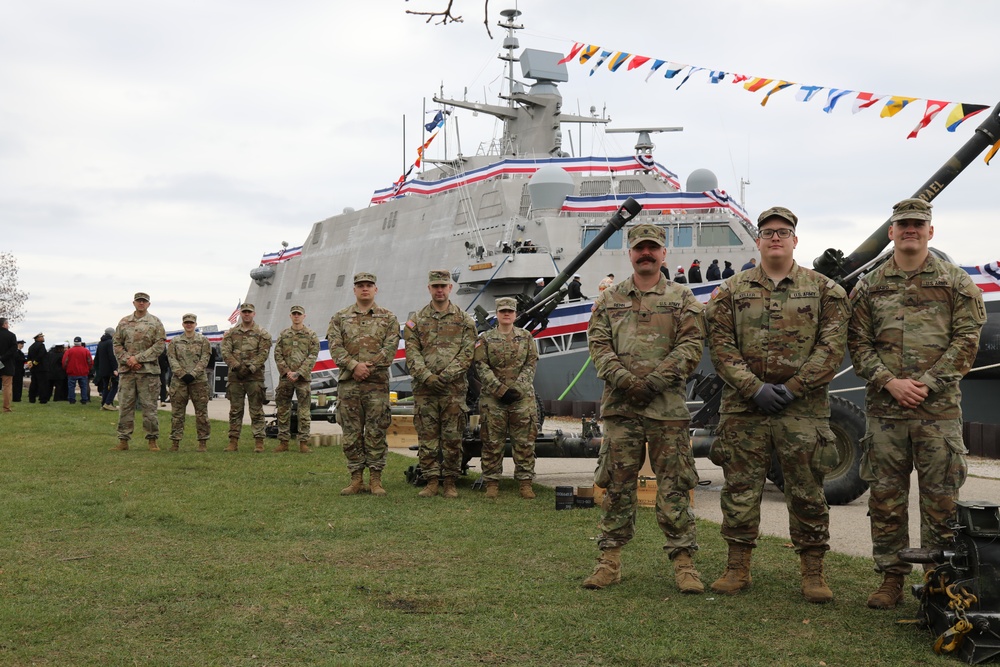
502, 219
524, 209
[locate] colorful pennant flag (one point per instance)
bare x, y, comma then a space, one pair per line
756, 83
617, 61
895, 104
781, 85
572, 53
637, 61
934, 107
600, 61
673, 69
806, 93
833, 97
588, 52
692, 71
865, 100
961, 112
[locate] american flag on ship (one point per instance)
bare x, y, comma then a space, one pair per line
235, 315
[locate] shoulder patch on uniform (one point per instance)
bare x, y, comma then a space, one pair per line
479, 341
411, 323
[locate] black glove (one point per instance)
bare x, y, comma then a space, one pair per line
510, 396
187, 378
640, 394
772, 398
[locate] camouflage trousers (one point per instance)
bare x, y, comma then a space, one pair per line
179, 395
518, 421
891, 449
253, 391
672, 462
142, 389
440, 423
364, 414
283, 404
744, 449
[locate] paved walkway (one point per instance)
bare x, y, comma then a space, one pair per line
849, 527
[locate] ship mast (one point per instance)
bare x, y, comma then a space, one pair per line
511, 44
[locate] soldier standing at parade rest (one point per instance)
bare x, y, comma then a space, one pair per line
188, 356
244, 349
440, 342
363, 340
295, 355
646, 337
914, 334
777, 335
40, 388
138, 341
505, 359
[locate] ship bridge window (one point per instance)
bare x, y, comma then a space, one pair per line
316, 232
595, 188
614, 242
718, 235
683, 237
340, 280
631, 186
308, 280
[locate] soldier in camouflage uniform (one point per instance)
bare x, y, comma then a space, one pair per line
363, 340
244, 349
646, 337
295, 354
440, 342
188, 355
139, 340
777, 335
505, 361
914, 334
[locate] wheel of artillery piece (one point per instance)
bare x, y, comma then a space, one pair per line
843, 484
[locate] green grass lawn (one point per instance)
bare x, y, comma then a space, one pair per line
140, 558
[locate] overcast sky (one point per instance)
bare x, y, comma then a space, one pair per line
165, 146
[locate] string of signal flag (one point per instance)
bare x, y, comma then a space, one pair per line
621, 60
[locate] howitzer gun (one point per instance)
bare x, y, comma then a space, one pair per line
533, 312
847, 421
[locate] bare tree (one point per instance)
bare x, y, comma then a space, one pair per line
447, 17
11, 298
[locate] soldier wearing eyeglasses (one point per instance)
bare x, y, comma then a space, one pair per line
777, 335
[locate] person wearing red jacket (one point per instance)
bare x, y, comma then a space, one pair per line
77, 362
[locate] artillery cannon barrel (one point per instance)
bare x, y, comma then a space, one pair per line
624, 214
832, 263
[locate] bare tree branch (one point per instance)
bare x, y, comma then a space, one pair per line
447, 17
11, 298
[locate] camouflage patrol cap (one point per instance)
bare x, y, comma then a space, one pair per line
189, 317
778, 212
244, 307
911, 209
506, 303
439, 277
140, 295
647, 232
297, 309
364, 277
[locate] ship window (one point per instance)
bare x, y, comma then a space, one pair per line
588, 236
288, 295
717, 235
308, 280
595, 188
268, 306
631, 186
614, 242
683, 237
340, 280
312, 280
317, 230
